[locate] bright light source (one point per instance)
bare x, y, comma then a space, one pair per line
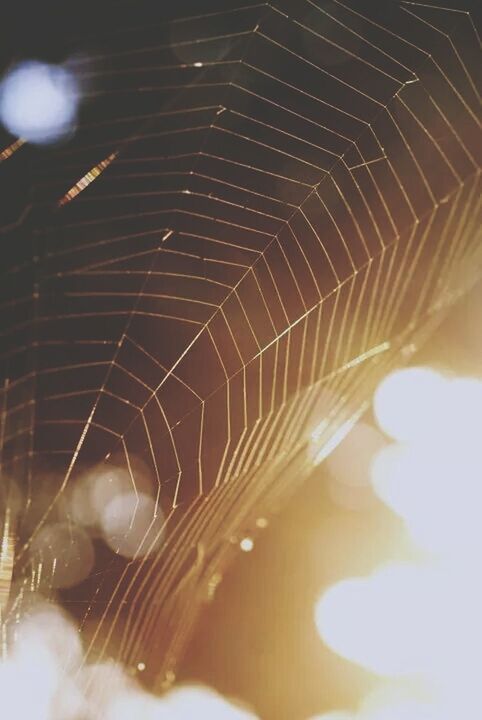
246, 544
422, 620
437, 492
411, 403
391, 622
180, 704
200, 702
44, 677
464, 409
47, 631
101, 684
407, 709
131, 704
27, 688
33, 677
68, 703
39, 102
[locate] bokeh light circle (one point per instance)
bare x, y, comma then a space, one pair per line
409, 403
39, 102
131, 525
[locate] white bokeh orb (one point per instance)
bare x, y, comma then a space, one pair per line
48, 633
39, 102
27, 687
131, 525
411, 403
66, 553
44, 650
390, 622
133, 703
437, 492
101, 685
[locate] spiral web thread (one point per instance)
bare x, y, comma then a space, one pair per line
265, 208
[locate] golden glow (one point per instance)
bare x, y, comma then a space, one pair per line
349, 463
88, 178
338, 436
349, 467
7, 551
421, 618
11, 149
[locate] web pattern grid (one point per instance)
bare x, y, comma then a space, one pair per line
265, 206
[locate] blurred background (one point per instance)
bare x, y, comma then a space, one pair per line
222, 496
257, 639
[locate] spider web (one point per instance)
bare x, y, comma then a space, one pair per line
264, 208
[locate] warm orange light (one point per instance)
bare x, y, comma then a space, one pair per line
421, 619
